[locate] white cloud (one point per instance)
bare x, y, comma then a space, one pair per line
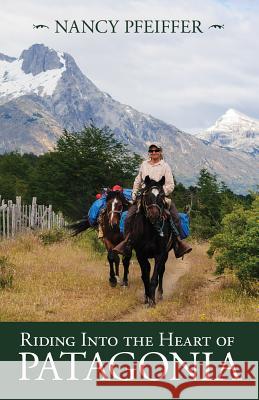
187, 80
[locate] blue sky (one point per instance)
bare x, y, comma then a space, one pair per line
186, 80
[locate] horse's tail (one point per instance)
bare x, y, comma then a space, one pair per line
79, 226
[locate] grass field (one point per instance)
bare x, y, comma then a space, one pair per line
68, 281
200, 295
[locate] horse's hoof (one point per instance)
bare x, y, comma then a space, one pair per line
151, 303
160, 296
117, 278
146, 301
113, 283
124, 284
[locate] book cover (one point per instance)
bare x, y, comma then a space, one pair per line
129, 199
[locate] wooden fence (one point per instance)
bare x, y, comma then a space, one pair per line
18, 217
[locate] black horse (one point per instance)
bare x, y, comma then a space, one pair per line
151, 237
110, 225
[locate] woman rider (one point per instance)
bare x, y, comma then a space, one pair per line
156, 168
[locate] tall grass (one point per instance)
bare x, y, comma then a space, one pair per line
64, 281
67, 280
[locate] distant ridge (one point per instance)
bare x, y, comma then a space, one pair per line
44, 91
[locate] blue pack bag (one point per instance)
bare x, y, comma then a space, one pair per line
127, 194
185, 225
122, 221
184, 221
95, 209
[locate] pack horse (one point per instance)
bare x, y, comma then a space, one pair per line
110, 224
111, 233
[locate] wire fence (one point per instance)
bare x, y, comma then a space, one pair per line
19, 217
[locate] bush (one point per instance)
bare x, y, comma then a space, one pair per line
6, 273
89, 241
237, 245
53, 236
201, 227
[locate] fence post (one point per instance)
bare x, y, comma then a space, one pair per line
33, 212
50, 217
18, 213
14, 230
4, 232
8, 221
17, 217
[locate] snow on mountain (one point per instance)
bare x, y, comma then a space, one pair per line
234, 130
44, 91
18, 79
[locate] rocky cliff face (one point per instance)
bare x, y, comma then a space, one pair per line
27, 126
44, 91
39, 59
3, 57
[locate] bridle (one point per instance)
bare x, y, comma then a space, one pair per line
112, 211
148, 206
158, 223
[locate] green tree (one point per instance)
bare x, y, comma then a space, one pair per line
236, 247
81, 164
207, 206
15, 175
181, 196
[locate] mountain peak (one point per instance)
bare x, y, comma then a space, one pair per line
234, 130
37, 71
40, 58
234, 114
233, 117
232, 111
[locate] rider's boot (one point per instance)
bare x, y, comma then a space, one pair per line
180, 247
124, 247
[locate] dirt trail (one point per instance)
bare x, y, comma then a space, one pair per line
175, 268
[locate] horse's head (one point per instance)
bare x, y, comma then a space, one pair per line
114, 206
153, 198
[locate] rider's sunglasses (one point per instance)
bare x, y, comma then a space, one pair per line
154, 151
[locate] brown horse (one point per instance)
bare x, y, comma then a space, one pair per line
110, 224
109, 221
